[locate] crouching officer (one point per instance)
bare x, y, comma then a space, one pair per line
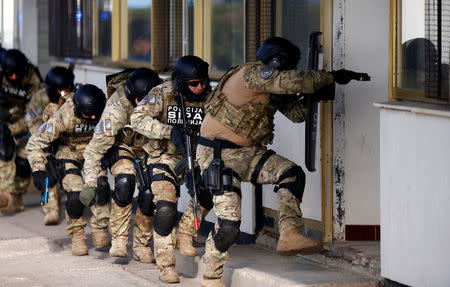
115, 138
59, 81
19, 81
158, 117
238, 124
73, 125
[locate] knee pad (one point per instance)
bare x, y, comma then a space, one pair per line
23, 168
165, 217
296, 187
103, 190
124, 189
205, 198
145, 201
74, 206
227, 234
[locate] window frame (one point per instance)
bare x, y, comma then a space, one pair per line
395, 58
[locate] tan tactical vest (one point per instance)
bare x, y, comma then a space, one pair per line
252, 120
79, 133
170, 106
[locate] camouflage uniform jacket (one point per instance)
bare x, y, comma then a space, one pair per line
112, 129
158, 112
241, 110
15, 98
35, 110
64, 126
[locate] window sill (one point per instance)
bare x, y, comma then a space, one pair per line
415, 107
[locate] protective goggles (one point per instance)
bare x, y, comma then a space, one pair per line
196, 82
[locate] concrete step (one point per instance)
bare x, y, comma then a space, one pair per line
251, 266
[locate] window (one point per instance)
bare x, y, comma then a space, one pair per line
295, 20
421, 52
70, 28
104, 28
136, 36
223, 31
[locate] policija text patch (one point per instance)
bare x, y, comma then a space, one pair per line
194, 115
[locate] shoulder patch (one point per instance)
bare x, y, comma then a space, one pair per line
50, 128
152, 99
266, 72
99, 128
42, 127
143, 101
38, 110
108, 125
30, 115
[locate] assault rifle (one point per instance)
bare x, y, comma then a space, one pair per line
189, 158
315, 48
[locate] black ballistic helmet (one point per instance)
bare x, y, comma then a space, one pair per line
139, 83
14, 61
90, 101
189, 68
58, 78
279, 53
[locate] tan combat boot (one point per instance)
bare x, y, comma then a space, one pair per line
119, 247
100, 238
212, 282
79, 246
4, 202
16, 202
143, 254
51, 218
184, 244
291, 242
169, 274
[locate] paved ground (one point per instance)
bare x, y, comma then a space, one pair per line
32, 254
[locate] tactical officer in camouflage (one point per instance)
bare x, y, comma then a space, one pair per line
73, 125
115, 138
158, 117
19, 81
42, 106
238, 124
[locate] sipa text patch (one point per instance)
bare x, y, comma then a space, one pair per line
194, 115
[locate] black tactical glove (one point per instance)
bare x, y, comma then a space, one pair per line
39, 180
326, 93
343, 77
177, 138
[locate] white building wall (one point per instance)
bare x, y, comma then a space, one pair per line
366, 50
415, 197
28, 29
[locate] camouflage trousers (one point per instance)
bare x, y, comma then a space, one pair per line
228, 206
120, 217
10, 182
73, 182
164, 246
55, 194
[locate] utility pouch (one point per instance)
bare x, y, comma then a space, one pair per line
212, 177
52, 170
